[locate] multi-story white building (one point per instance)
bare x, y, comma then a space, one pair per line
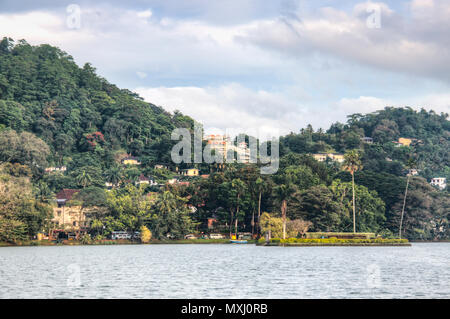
218, 142
222, 144
440, 182
243, 152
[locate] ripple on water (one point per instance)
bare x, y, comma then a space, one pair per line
225, 271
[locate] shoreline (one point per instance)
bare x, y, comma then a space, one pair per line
44, 243
337, 245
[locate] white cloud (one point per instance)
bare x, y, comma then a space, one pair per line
141, 75
145, 14
224, 56
230, 106
234, 106
367, 104
418, 44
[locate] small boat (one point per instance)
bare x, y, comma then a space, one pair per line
235, 241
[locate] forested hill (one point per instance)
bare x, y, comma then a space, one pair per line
81, 116
87, 121
428, 131
54, 113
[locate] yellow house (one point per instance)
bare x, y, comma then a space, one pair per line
130, 160
64, 216
337, 157
405, 141
322, 157
190, 172
72, 217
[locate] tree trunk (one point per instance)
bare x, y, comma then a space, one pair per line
403, 208
259, 214
354, 208
231, 221
237, 214
253, 223
283, 215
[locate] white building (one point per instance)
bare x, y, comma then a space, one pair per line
440, 182
55, 169
322, 157
367, 140
243, 152
222, 144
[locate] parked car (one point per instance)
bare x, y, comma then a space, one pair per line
216, 236
120, 235
190, 236
244, 236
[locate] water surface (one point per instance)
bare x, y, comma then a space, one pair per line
225, 271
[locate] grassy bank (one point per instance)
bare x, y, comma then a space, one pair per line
67, 243
115, 242
333, 242
262, 242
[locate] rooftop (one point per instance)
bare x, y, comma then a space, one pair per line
66, 193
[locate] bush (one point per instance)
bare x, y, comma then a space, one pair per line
145, 235
335, 240
86, 239
99, 237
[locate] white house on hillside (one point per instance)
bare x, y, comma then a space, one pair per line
440, 182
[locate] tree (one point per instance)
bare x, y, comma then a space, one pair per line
171, 216
424, 211
297, 227
114, 175
261, 186
370, 208
282, 194
352, 163
410, 165
271, 225
43, 192
129, 207
21, 215
24, 148
145, 234
239, 187
319, 206
84, 179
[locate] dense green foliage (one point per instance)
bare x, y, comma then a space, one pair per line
54, 113
84, 120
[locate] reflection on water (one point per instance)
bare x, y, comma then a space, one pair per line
225, 271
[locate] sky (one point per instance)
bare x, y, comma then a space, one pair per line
272, 66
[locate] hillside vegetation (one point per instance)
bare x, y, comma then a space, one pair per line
54, 113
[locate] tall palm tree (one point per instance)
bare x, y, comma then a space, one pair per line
114, 175
43, 192
260, 188
353, 163
84, 179
282, 193
239, 186
410, 165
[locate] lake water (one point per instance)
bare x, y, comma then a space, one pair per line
225, 271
